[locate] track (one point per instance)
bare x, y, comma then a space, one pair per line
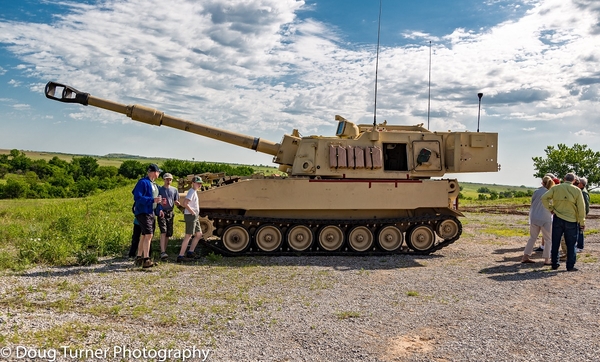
248, 228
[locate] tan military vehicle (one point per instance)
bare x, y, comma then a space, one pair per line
368, 189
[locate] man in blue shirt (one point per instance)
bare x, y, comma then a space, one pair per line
147, 205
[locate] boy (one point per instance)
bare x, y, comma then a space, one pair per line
192, 222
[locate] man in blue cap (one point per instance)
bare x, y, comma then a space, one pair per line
147, 205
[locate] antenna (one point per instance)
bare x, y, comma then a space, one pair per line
377, 67
429, 97
479, 112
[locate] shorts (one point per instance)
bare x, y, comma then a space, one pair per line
165, 224
192, 224
146, 222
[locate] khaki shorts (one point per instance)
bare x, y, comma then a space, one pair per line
192, 224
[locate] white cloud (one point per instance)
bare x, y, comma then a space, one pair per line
21, 107
254, 66
584, 133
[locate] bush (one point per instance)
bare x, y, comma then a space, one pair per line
15, 189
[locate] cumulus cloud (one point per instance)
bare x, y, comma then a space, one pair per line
584, 133
257, 65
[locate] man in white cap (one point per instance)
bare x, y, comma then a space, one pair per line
170, 198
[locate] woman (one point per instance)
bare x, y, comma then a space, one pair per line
540, 219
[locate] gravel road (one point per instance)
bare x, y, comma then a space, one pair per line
471, 301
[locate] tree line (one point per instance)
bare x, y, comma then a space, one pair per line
83, 176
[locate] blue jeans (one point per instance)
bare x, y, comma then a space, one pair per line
570, 230
580, 240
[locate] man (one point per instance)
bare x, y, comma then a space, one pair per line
147, 204
565, 201
170, 197
586, 198
192, 222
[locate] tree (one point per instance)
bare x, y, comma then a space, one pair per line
578, 159
132, 169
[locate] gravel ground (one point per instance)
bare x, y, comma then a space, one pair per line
471, 301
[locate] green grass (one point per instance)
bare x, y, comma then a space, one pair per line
67, 231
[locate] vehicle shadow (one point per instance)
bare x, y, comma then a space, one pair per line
366, 262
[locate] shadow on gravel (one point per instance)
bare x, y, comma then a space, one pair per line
380, 262
504, 251
515, 272
120, 265
114, 265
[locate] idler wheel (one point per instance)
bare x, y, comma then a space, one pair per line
331, 237
390, 238
360, 238
300, 237
268, 238
235, 238
420, 238
448, 229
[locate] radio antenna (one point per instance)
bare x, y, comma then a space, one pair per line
429, 97
479, 111
377, 67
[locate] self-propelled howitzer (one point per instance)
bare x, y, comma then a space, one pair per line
368, 189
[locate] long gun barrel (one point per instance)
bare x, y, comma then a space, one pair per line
136, 112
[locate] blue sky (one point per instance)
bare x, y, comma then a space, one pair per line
265, 67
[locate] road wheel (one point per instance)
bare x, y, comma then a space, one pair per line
420, 238
300, 237
236, 238
331, 237
390, 238
360, 238
268, 238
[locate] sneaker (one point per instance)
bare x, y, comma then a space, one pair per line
554, 267
147, 263
164, 256
577, 250
538, 249
138, 261
190, 254
181, 259
573, 269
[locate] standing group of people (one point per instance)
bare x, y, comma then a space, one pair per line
152, 202
558, 210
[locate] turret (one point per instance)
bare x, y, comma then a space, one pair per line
356, 151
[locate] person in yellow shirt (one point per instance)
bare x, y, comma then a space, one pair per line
566, 202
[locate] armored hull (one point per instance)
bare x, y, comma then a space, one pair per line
303, 215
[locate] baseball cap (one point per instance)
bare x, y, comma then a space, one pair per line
154, 168
556, 181
197, 179
167, 175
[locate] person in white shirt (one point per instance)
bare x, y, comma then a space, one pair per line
192, 222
